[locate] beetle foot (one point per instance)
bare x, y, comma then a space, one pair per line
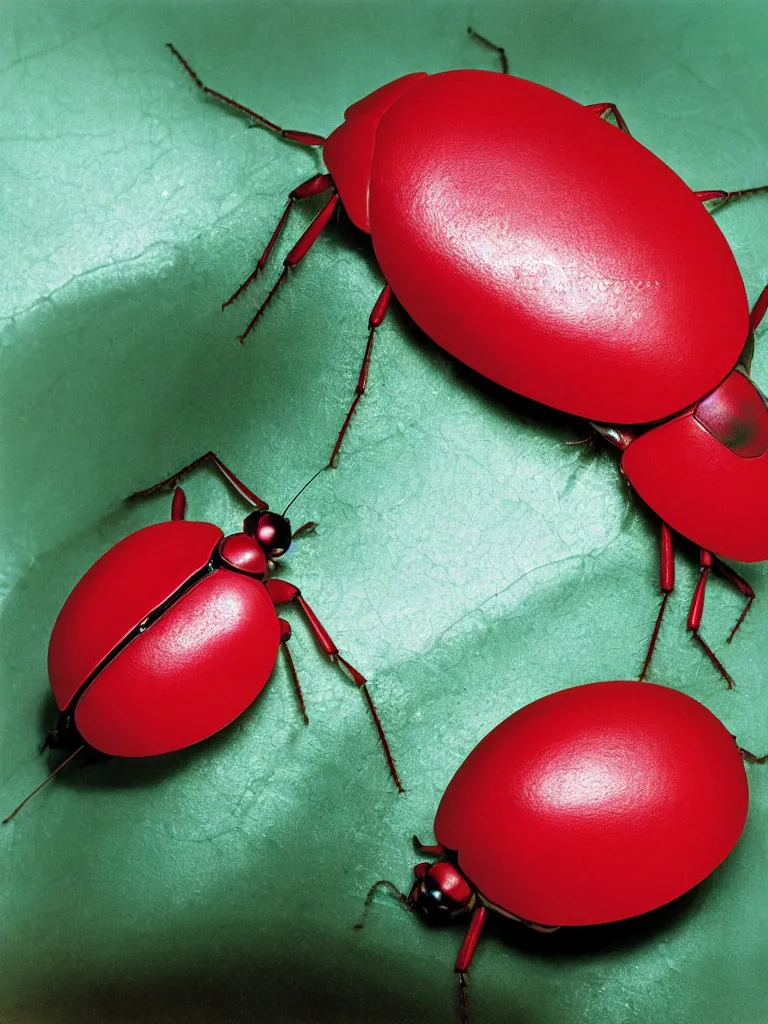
751, 758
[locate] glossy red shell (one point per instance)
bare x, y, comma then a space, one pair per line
118, 592
713, 494
549, 251
192, 672
348, 151
596, 804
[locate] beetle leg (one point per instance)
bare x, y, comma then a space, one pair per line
751, 758
491, 46
304, 529
601, 109
375, 321
330, 648
226, 472
314, 186
667, 582
466, 953
428, 851
285, 636
742, 586
295, 256
759, 309
469, 944
719, 195
303, 138
696, 611
282, 592
178, 505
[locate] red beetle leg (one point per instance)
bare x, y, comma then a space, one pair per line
610, 108
304, 529
469, 944
358, 679
492, 46
429, 851
178, 505
697, 610
721, 196
759, 309
229, 476
295, 256
283, 592
285, 636
465, 957
375, 320
303, 138
697, 602
314, 186
667, 583
742, 586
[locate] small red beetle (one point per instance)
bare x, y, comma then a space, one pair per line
173, 633
557, 256
590, 805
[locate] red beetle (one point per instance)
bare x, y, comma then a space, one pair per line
590, 805
173, 633
557, 256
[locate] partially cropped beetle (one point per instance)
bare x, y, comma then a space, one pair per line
553, 253
593, 804
173, 633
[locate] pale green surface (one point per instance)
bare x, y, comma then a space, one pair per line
467, 560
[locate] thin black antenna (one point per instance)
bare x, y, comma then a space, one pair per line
37, 789
302, 489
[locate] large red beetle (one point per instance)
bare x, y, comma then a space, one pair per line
173, 633
557, 256
590, 805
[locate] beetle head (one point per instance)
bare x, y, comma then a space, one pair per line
271, 530
440, 892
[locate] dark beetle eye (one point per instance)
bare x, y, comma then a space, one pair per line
435, 901
433, 890
272, 531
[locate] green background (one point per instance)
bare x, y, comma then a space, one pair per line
468, 560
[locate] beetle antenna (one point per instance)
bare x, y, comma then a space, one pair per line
405, 900
302, 489
55, 772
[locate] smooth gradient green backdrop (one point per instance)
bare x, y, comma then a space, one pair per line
468, 559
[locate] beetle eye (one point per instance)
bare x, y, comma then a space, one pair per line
435, 902
433, 890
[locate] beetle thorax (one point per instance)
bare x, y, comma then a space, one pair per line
243, 553
735, 413
348, 151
